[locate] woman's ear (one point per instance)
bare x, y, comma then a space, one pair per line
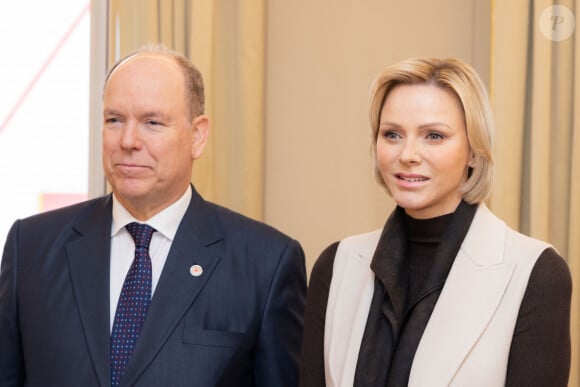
471, 161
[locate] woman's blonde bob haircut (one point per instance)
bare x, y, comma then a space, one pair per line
463, 81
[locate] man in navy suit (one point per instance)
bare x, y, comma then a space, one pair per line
227, 292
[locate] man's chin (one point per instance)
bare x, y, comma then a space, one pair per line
133, 193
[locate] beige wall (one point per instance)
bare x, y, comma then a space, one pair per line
320, 58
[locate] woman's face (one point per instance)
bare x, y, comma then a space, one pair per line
422, 149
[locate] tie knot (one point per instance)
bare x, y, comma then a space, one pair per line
141, 234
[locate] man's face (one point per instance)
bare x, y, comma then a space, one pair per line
149, 141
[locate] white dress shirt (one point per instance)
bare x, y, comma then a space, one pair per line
123, 247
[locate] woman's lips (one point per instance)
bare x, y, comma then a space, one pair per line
411, 178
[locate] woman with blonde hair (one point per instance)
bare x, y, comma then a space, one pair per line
446, 293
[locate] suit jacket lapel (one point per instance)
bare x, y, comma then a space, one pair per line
88, 260
177, 288
472, 292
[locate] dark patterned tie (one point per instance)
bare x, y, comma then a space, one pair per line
133, 302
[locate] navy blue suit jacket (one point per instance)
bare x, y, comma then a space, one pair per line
238, 324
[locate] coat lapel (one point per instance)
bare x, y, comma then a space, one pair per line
88, 260
350, 294
472, 293
177, 288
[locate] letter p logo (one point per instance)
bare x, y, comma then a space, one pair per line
557, 22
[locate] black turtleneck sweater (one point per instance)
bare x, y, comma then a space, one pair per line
540, 349
423, 238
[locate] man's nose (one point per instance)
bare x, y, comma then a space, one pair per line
131, 138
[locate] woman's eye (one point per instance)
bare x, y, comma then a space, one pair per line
435, 136
391, 135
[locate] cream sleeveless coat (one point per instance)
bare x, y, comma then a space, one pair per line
468, 337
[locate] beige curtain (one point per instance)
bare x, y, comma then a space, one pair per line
535, 90
225, 39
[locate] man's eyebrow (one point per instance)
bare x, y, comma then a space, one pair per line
111, 112
153, 114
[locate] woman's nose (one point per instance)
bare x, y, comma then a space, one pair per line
410, 153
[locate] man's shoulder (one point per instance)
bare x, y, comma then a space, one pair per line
244, 226
68, 213
51, 228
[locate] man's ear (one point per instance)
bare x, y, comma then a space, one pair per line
200, 127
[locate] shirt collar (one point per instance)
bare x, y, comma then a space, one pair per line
165, 222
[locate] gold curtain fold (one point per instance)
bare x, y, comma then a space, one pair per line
536, 101
225, 39
573, 231
231, 49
